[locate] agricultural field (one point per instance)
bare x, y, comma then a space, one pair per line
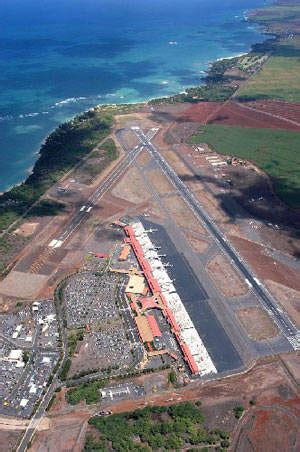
262, 115
279, 78
274, 151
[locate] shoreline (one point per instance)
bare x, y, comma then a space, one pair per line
30, 170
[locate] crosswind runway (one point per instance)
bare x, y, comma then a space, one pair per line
85, 210
282, 320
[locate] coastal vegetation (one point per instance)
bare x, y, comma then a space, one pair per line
217, 86
176, 427
206, 93
275, 151
62, 150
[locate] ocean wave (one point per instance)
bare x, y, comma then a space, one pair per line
6, 118
31, 115
69, 100
173, 43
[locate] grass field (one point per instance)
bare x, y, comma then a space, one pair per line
274, 151
280, 76
278, 79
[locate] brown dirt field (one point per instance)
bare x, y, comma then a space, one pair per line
129, 118
198, 245
23, 285
160, 182
26, 229
292, 362
278, 108
64, 434
211, 205
221, 271
265, 266
143, 158
257, 323
177, 163
131, 187
8, 440
155, 211
233, 113
288, 298
183, 215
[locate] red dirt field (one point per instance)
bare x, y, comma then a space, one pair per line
200, 112
265, 116
265, 266
278, 108
257, 430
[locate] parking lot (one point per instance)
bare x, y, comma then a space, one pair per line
28, 355
90, 299
102, 350
122, 392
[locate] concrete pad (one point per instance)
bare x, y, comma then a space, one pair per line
25, 285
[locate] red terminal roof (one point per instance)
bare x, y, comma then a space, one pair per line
156, 289
153, 326
148, 303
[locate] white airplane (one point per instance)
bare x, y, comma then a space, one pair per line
167, 265
150, 230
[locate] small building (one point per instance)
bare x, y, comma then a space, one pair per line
23, 403
125, 253
46, 360
15, 355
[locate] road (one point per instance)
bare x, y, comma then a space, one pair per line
282, 320
35, 420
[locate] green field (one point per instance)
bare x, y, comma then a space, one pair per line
278, 79
280, 76
275, 151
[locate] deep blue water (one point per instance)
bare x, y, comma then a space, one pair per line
60, 57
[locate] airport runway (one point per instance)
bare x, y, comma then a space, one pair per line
281, 319
85, 210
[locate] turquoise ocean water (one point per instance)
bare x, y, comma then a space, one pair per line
60, 57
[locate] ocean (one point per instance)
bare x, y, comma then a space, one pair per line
60, 57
